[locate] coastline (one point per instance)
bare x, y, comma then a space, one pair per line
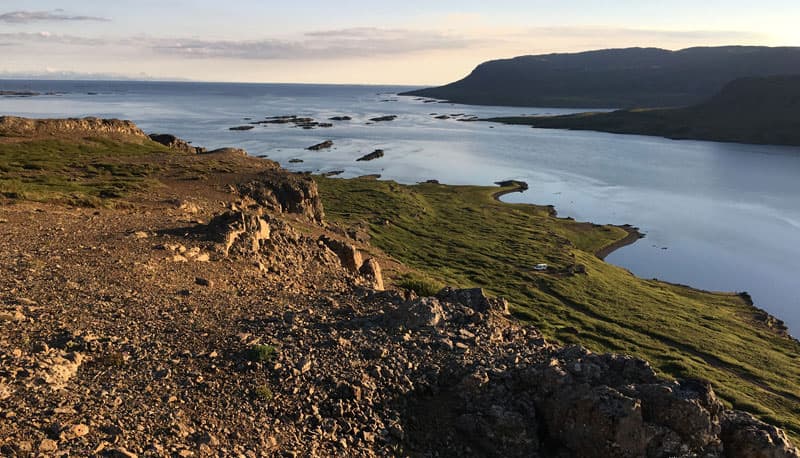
633, 236
513, 186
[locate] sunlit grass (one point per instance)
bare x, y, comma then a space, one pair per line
462, 236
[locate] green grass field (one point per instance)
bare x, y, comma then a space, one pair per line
461, 236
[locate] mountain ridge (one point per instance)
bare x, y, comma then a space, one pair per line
614, 78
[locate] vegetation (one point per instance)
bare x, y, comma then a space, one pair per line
94, 171
262, 353
462, 236
750, 110
420, 284
264, 392
615, 78
78, 172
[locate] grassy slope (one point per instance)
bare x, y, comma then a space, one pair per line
79, 172
460, 235
93, 171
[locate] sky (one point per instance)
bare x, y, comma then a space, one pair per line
355, 41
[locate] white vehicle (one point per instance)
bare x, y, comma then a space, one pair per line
540, 267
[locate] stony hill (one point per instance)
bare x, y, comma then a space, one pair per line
211, 308
764, 110
615, 78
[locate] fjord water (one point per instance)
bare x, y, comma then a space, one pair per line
718, 216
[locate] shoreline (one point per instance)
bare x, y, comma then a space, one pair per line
633, 236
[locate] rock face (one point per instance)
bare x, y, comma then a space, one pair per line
173, 142
285, 193
24, 127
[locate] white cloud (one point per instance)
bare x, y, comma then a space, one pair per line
21, 38
326, 44
23, 17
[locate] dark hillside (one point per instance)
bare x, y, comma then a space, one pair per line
621, 78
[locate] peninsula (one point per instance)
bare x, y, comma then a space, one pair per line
764, 110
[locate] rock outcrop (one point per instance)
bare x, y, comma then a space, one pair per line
320, 146
384, 118
371, 270
280, 192
746, 437
173, 142
240, 231
227, 150
377, 154
13, 126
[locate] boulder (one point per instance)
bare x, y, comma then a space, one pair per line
689, 408
595, 421
743, 436
420, 313
474, 298
173, 142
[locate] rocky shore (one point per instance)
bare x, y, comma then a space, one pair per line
226, 316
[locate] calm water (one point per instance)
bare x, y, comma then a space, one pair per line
717, 216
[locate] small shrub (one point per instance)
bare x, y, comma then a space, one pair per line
262, 353
264, 392
423, 286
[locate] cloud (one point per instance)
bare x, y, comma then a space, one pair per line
16, 38
369, 42
24, 17
642, 34
326, 44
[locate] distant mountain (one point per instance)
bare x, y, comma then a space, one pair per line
615, 78
749, 110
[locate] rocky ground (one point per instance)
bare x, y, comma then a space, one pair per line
225, 317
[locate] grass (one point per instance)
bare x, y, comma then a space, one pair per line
83, 172
462, 236
420, 284
262, 353
264, 392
